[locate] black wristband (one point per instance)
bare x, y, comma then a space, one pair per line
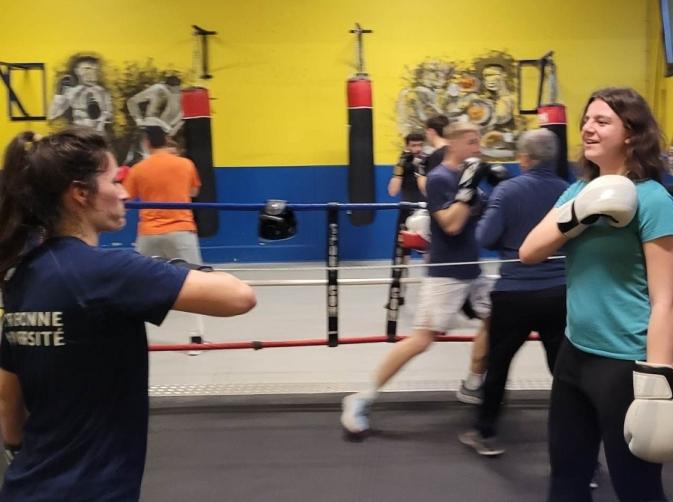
179, 262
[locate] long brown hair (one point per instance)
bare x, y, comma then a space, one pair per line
36, 173
644, 150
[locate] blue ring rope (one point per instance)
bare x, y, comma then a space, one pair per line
229, 206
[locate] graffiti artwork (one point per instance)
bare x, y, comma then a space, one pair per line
482, 92
118, 101
81, 96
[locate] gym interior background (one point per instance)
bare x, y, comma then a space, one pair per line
279, 119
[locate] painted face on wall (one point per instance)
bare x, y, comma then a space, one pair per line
493, 78
432, 78
87, 72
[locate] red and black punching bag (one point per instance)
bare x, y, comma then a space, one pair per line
553, 117
199, 148
361, 185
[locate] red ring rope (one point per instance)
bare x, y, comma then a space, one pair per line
307, 342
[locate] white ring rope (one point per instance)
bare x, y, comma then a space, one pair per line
371, 267
340, 282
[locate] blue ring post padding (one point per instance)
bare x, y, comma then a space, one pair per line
226, 206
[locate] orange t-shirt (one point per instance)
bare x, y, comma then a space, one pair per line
163, 177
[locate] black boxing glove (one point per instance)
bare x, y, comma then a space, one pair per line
496, 173
406, 157
63, 84
473, 171
414, 162
92, 107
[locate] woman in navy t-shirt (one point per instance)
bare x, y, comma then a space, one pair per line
73, 357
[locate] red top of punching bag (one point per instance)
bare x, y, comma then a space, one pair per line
551, 115
359, 93
195, 103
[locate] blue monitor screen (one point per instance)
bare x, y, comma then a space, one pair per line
667, 24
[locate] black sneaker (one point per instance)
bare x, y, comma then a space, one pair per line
487, 447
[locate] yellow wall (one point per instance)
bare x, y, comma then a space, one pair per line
659, 88
280, 65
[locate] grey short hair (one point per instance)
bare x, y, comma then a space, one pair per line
541, 145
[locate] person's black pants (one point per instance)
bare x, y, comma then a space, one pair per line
589, 399
514, 314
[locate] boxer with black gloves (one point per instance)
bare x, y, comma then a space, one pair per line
404, 173
616, 225
445, 289
434, 137
474, 172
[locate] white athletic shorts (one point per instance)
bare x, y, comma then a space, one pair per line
440, 299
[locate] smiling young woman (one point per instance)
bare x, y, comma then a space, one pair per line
616, 227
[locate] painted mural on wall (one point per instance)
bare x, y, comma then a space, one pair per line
118, 101
483, 91
81, 96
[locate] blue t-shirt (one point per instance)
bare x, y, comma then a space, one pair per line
608, 301
441, 188
74, 334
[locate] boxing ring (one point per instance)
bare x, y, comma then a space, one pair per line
294, 311
332, 282
263, 425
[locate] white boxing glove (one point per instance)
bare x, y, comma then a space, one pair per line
611, 196
648, 426
419, 223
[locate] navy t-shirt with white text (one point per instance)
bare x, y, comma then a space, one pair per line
74, 334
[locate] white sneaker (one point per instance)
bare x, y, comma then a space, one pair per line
354, 413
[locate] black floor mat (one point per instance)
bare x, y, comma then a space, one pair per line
293, 454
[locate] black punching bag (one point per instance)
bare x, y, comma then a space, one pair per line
553, 117
199, 148
360, 148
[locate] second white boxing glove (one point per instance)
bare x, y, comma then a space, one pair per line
648, 426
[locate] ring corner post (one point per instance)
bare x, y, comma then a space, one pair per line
332, 274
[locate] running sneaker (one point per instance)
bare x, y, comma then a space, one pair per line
470, 396
354, 415
488, 447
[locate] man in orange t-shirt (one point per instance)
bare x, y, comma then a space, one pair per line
165, 177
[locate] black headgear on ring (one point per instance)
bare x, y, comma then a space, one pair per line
277, 221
